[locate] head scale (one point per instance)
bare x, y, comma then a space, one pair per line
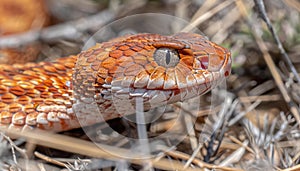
160, 69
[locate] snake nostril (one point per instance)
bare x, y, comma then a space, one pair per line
226, 73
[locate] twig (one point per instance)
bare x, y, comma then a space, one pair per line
206, 16
263, 15
205, 6
13, 147
297, 167
242, 114
180, 155
235, 140
270, 63
48, 159
267, 98
87, 148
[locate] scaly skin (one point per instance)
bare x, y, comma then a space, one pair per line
107, 78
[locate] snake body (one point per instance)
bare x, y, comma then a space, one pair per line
104, 81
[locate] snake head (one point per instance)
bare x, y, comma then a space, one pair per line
155, 67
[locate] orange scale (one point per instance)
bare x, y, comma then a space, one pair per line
52, 89
140, 57
115, 69
2, 105
188, 61
154, 64
188, 52
102, 72
88, 53
25, 85
157, 78
157, 72
35, 81
49, 101
70, 65
9, 83
98, 50
131, 44
220, 51
56, 95
29, 72
50, 68
3, 89
5, 117
149, 68
108, 63
147, 47
8, 68
17, 90
47, 82
102, 56
32, 93
62, 115
136, 48
139, 45
108, 80
31, 118
39, 70
8, 98
20, 77
29, 108
125, 59
59, 101
45, 94
170, 79
58, 86
59, 66
100, 80
123, 47
129, 52
105, 45
95, 65
41, 87
24, 100
91, 58
116, 53
133, 70
38, 100
15, 107
19, 118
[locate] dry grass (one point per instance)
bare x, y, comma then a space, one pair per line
252, 125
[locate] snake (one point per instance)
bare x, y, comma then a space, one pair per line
105, 81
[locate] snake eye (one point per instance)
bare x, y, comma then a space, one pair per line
166, 57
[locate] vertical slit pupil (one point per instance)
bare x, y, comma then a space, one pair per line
168, 57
